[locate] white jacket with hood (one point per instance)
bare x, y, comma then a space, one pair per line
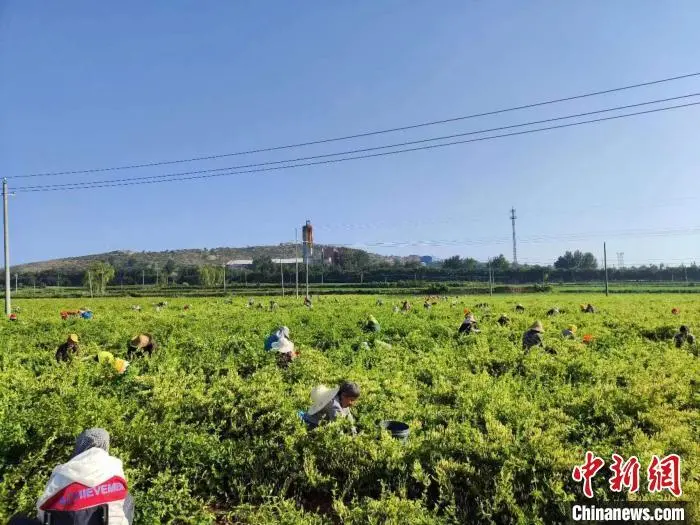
103, 479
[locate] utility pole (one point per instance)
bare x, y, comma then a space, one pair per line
90, 282
515, 247
282, 276
6, 237
224, 278
490, 279
16, 285
143, 277
296, 256
605, 262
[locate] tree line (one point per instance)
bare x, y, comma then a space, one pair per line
355, 267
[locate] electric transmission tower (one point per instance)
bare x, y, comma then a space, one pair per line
621, 260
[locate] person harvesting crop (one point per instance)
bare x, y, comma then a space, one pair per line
533, 337
141, 344
278, 341
469, 325
90, 488
570, 332
330, 404
504, 320
683, 336
119, 365
68, 349
307, 302
372, 325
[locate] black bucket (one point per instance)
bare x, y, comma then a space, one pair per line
398, 429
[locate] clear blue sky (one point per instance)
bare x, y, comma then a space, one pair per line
87, 84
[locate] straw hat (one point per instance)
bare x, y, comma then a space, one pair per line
470, 317
572, 328
140, 341
320, 396
73, 338
537, 326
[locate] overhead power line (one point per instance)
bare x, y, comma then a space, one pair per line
535, 239
363, 134
150, 180
362, 150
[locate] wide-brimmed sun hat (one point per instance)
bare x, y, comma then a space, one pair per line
73, 338
537, 326
321, 395
139, 341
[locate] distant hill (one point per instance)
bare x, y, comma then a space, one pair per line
191, 257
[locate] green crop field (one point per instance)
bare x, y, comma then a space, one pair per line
208, 428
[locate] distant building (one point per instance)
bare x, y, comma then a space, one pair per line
240, 262
426, 259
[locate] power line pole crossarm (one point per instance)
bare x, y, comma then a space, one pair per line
6, 243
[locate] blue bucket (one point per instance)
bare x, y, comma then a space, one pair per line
398, 429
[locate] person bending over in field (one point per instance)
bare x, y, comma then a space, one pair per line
553, 311
278, 338
588, 309
307, 302
274, 305
90, 488
469, 325
533, 337
107, 358
569, 333
406, 306
142, 344
684, 336
330, 404
380, 302
68, 349
372, 325
519, 308
278, 341
504, 320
